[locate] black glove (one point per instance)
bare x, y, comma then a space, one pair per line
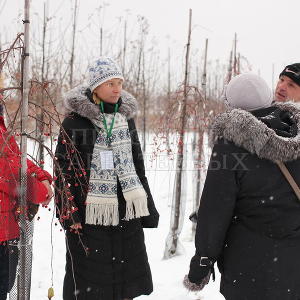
281, 122
194, 216
198, 272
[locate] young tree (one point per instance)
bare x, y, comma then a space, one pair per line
177, 213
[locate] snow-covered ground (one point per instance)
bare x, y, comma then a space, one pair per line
49, 245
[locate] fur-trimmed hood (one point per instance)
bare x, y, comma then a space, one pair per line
245, 130
76, 100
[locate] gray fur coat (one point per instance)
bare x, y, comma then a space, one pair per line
77, 101
249, 216
245, 130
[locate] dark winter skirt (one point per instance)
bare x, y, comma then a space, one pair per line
113, 267
256, 267
8, 265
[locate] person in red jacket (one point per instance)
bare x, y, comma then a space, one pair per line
39, 192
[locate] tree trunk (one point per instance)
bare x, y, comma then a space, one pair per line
40, 121
25, 244
204, 75
124, 48
73, 44
196, 201
169, 96
144, 104
235, 69
177, 213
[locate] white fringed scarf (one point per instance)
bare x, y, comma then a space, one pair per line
102, 198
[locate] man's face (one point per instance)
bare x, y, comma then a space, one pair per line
286, 90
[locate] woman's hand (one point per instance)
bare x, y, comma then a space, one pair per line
49, 192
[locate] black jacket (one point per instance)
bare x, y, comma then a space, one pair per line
103, 262
74, 155
74, 165
249, 216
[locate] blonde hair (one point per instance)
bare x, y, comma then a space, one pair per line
96, 99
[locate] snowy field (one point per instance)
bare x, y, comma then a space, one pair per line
49, 245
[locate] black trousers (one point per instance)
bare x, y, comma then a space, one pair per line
8, 266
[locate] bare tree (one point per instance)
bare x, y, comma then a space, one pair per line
177, 212
235, 60
200, 133
25, 252
73, 43
40, 121
204, 74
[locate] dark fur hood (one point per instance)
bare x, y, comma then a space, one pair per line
245, 130
76, 101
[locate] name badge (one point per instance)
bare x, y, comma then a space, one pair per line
107, 160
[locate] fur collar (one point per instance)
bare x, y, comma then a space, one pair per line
76, 100
245, 130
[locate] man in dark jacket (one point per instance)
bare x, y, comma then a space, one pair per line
288, 86
249, 216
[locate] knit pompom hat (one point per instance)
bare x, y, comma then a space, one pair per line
248, 92
102, 70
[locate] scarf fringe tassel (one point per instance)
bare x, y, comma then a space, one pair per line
102, 214
137, 207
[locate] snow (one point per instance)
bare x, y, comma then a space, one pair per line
49, 245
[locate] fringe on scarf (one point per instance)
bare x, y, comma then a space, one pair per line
102, 214
136, 204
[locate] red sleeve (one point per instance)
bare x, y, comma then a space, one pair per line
32, 169
14, 152
40, 174
10, 159
36, 191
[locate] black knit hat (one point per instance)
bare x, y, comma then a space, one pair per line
293, 72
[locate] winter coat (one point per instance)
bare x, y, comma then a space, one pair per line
107, 262
9, 182
249, 216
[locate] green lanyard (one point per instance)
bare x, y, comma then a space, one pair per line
109, 132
